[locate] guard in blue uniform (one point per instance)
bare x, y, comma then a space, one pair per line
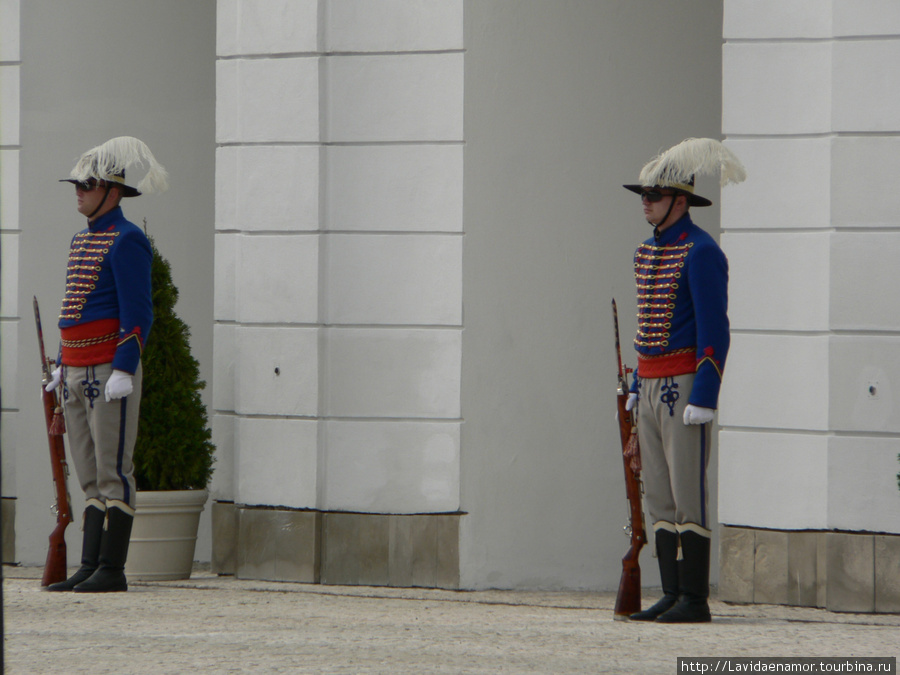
105, 318
681, 276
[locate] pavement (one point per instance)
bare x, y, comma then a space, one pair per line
213, 624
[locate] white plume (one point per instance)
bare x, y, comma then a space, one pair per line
115, 156
692, 157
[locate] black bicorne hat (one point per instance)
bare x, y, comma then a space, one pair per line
675, 168
107, 162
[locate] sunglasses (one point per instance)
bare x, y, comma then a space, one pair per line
654, 196
85, 187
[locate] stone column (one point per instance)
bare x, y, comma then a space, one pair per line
339, 267
809, 420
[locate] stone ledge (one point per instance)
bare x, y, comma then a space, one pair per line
350, 549
840, 571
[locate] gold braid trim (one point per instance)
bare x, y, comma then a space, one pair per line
713, 362
75, 344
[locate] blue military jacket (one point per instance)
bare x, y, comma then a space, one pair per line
108, 307
682, 297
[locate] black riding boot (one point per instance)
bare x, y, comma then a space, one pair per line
94, 515
666, 553
110, 574
693, 568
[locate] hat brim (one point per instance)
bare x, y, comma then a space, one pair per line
693, 200
127, 190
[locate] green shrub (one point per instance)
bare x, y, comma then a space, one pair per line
174, 450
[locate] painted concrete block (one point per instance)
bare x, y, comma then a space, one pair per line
865, 371
374, 550
447, 567
340, 543
394, 25
776, 381
392, 467
9, 190
865, 17
8, 530
391, 550
851, 572
859, 166
277, 462
773, 19
802, 569
9, 103
751, 495
887, 574
226, 252
777, 171
266, 26
822, 569
267, 100
277, 371
277, 545
10, 39
9, 280
298, 556
862, 484
862, 263
224, 359
221, 486
395, 98
394, 279
794, 286
776, 88
770, 568
395, 188
277, 279
257, 544
423, 558
225, 528
355, 549
392, 372
866, 98
737, 557
268, 188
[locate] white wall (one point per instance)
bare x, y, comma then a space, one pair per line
809, 411
339, 254
565, 102
91, 70
10, 233
424, 366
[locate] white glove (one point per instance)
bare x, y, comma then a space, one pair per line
631, 402
55, 379
119, 385
696, 415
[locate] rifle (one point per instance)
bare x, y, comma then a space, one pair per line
628, 599
55, 567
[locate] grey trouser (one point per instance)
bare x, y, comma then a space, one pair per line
101, 435
674, 456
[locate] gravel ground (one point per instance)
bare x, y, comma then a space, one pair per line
211, 624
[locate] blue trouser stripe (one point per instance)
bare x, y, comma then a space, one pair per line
120, 450
703, 476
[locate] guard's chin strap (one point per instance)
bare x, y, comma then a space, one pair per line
102, 202
656, 231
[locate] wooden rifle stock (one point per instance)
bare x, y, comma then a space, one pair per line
55, 567
628, 598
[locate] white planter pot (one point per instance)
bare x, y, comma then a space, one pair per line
164, 534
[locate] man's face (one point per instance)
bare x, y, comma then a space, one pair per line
656, 202
89, 195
